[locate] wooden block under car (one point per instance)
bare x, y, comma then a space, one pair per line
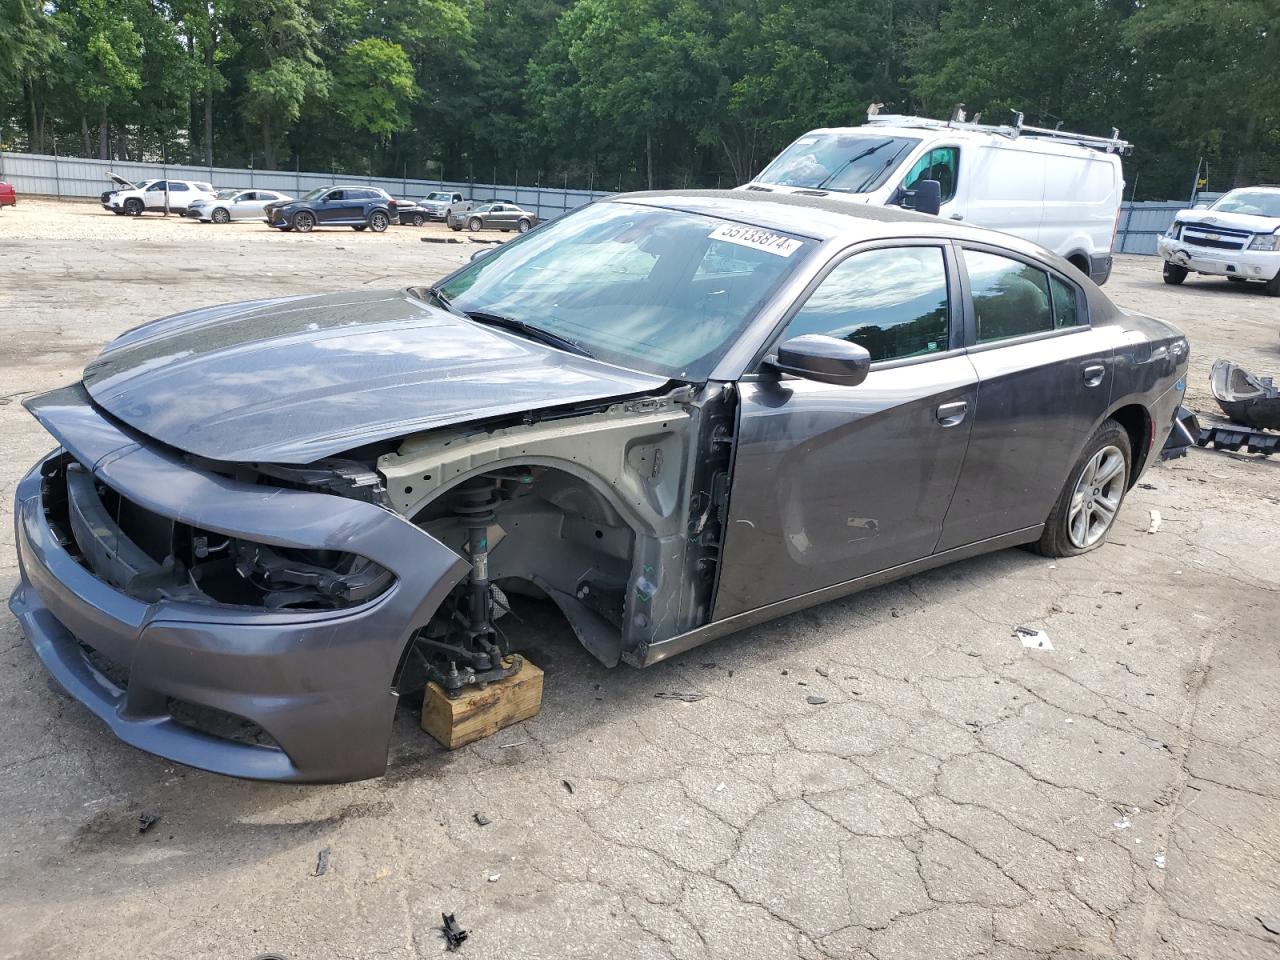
480, 713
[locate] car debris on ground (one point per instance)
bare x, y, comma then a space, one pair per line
1032, 638
454, 935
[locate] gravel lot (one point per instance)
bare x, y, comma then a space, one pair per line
1118, 796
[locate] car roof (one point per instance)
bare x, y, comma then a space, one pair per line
829, 218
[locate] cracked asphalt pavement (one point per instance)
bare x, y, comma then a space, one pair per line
955, 795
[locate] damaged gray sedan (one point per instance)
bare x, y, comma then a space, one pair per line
675, 415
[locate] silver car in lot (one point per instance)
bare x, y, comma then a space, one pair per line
228, 205
674, 415
493, 215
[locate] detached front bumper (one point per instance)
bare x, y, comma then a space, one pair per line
319, 683
1247, 264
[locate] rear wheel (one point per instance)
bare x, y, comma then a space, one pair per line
303, 221
419, 219
220, 215
474, 224
1091, 497
378, 221
1174, 274
133, 207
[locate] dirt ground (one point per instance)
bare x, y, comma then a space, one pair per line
957, 795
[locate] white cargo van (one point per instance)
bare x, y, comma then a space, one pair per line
1060, 189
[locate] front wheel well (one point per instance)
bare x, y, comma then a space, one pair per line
1137, 424
1081, 262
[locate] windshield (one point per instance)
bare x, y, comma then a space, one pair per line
437, 196
316, 194
1259, 203
226, 194
656, 290
846, 162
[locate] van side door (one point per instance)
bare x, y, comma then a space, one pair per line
833, 483
1044, 380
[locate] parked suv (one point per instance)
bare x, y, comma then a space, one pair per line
175, 195
336, 206
1238, 237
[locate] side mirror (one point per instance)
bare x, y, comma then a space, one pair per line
928, 197
482, 253
825, 359
1201, 206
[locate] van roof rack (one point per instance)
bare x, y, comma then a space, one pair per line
1111, 144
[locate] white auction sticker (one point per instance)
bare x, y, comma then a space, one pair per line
757, 239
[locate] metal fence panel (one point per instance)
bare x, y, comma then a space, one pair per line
80, 177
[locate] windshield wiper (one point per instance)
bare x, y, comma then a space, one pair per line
528, 330
852, 160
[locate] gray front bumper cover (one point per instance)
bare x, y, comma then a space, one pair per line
318, 682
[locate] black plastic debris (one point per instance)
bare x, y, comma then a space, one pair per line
146, 821
322, 863
686, 697
1248, 400
1184, 433
1225, 436
454, 935
481, 819
567, 785
815, 701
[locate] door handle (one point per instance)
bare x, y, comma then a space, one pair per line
1093, 374
949, 414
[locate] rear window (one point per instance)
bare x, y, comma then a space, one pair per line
1010, 298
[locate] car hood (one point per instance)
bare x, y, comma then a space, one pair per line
1238, 221
295, 380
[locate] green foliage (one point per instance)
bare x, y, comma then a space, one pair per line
613, 91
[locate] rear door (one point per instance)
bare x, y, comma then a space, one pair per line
1044, 380
832, 483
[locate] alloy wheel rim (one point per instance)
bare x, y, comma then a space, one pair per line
1096, 498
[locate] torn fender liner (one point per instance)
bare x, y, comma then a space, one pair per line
1246, 399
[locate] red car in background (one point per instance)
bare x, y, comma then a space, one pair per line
8, 196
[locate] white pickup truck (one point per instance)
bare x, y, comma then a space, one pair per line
1238, 237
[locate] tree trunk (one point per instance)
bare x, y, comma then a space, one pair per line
84, 133
104, 137
268, 147
648, 150
208, 96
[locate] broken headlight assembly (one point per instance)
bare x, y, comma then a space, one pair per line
324, 579
1265, 241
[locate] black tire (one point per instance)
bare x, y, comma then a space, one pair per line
419, 220
304, 221
524, 226
379, 221
357, 227
1058, 538
133, 207
475, 224
455, 229
118, 213
220, 215
1272, 286
1174, 274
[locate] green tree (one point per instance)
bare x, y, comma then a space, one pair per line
373, 87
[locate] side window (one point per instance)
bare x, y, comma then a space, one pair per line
1010, 298
941, 164
892, 301
250, 196
177, 186
1066, 311
335, 195
158, 185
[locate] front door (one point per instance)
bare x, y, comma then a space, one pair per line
833, 483
334, 207
1044, 381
